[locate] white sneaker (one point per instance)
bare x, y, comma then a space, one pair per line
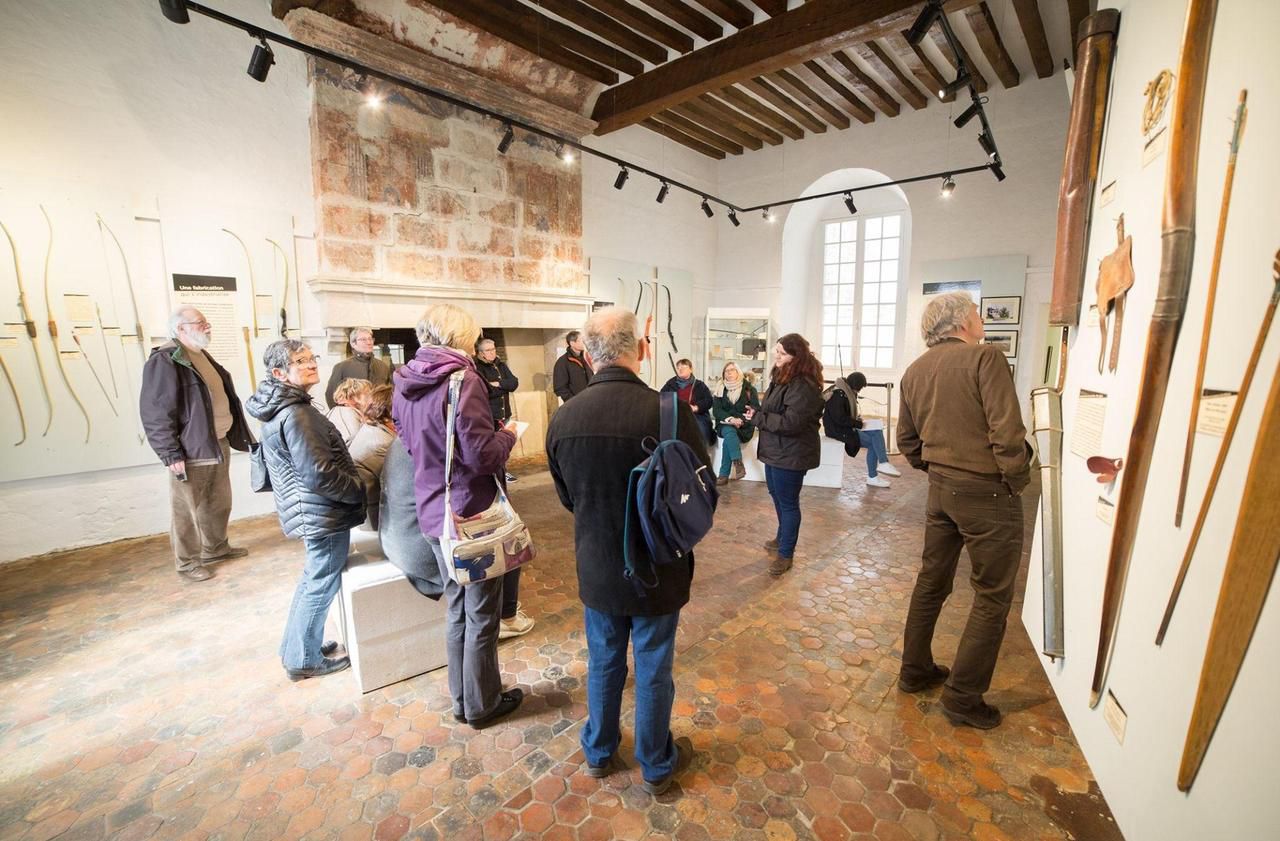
517, 625
888, 469
877, 482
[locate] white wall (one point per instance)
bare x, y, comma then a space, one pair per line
112, 98
1235, 794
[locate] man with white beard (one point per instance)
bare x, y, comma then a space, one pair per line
193, 419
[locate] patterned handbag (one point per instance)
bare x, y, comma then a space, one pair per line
489, 544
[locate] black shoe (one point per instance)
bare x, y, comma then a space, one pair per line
328, 667
510, 700
684, 755
511, 477
601, 771
195, 574
982, 716
937, 678
329, 647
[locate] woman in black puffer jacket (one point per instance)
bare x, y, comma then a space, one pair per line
318, 496
789, 444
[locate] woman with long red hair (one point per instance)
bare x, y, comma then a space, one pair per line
790, 445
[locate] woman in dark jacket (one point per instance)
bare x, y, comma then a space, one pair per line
693, 391
728, 410
318, 496
789, 445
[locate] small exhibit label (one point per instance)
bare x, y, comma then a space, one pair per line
1091, 317
1106, 511
1155, 147
128, 339
82, 332
71, 354
1115, 716
8, 341
79, 308
1215, 411
1091, 414
1108, 195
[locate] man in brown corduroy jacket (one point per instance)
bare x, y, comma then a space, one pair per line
960, 421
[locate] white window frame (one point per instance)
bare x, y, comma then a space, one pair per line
850, 308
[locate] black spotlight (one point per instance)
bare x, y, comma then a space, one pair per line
733, 217
961, 82
920, 28
948, 187
662, 192
988, 145
966, 115
260, 62
507, 137
175, 10
621, 180
767, 214
998, 172
706, 208
848, 202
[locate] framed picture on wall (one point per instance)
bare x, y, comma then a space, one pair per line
1004, 310
1012, 369
1007, 340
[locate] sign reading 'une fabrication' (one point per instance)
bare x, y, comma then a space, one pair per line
215, 297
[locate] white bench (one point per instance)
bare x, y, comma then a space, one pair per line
390, 630
828, 474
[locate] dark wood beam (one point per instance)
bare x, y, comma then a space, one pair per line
706, 135
537, 34
798, 88
743, 122
770, 93
688, 17
731, 12
772, 8
920, 65
683, 139
696, 112
940, 40
1077, 11
1029, 19
817, 28
750, 105
817, 75
606, 27
880, 61
644, 23
984, 29
844, 67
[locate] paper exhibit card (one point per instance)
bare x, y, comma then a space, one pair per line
1091, 414
1215, 410
215, 297
79, 308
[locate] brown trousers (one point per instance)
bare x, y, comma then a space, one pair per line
982, 515
200, 508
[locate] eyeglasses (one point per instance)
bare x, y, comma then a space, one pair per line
307, 362
200, 323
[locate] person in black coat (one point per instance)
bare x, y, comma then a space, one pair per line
728, 410
693, 391
318, 495
790, 444
572, 372
593, 441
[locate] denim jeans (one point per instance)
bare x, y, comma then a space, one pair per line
730, 449
653, 639
784, 487
471, 641
872, 441
321, 577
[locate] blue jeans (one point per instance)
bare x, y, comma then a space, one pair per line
877, 453
784, 487
653, 640
321, 577
730, 449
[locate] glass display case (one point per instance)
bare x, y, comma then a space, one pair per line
742, 336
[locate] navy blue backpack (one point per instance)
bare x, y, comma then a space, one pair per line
671, 499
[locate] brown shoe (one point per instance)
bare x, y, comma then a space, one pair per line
739, 470
232, 552
779, 565
771, 544
722, 480
195, 574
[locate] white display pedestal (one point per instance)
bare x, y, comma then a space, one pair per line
826, 475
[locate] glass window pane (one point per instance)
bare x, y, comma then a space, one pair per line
828, 355
847, 273
829, 294
872, 250
884, 337
846, 295
890, 251
829, 315
846, 354
892, 226
849, 252
867, 357
888, 292
844, 336
830, 274
846, 315
833, 232
873, 229
831, 254
871, 272
849, 231
884, 358
889, 271
886, 313
869, 312
870, 293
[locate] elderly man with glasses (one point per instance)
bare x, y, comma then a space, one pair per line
193, 419
361, 365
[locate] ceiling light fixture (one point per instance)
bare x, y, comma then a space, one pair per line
733, 217
848, 202
924, 21
998, 171
706, 208
961, 82
968, 114
175, 10
948, 187
260, 62
564, 152
507, 137
621, 180
988, 145
662, 192
768, 215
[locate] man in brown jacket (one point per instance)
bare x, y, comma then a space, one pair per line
960, 421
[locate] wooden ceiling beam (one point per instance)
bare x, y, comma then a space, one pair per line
920, 65
820, 74
880, 61
817, 28
688, 17
940, 40
697, 112
750, 105
984, 29
844, 66
607, 28
731, 12
1077, 11
798, 88
697, 132
644, 23
683, 139
524, 28
742, 121
1032, 24
772, 8
770, 93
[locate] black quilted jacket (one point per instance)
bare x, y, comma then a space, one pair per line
317, 490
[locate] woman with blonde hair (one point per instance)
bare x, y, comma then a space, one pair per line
369, 445
729, 409
420, 407
349, 400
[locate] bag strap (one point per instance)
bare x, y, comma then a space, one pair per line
668, 416
455, 389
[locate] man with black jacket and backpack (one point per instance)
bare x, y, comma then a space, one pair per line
593, 442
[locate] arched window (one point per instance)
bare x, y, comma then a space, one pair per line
861, 267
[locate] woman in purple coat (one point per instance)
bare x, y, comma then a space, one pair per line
420, 405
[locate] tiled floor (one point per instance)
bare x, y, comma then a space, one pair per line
133, 705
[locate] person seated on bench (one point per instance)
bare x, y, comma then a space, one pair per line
731, 426
840, 413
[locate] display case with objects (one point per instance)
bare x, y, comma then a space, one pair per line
739, 335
